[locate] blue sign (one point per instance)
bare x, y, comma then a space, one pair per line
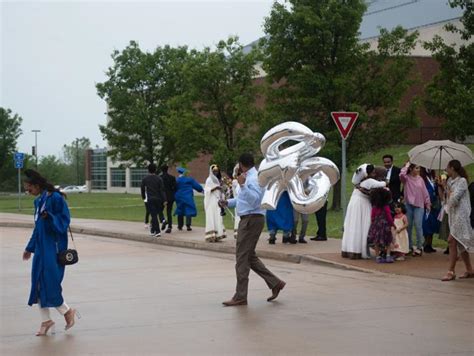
19, 156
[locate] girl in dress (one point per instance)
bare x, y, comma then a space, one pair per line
400, 241
380, 231
357, 221
48, 238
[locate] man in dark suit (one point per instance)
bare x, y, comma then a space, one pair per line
169, 182
392, 177
153, 193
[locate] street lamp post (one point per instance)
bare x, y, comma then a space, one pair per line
36, 146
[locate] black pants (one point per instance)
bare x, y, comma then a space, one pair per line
181, 220
169, 212
155, 207
321, 219
147, 214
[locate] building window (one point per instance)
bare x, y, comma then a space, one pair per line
99, 169
136, 176
117, 177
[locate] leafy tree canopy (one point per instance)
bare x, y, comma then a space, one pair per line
314, 54
10, 130
138, 91
450, 94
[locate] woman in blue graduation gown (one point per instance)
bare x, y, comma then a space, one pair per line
49, 237
184, 197
281, 219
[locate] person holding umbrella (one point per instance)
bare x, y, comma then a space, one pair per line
459, 210
416, 199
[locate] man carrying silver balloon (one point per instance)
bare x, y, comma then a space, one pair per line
248, 204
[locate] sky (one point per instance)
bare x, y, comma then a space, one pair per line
54, 52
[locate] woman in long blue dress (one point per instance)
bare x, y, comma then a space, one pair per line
49, 237
281, 219
431, 225
184, 198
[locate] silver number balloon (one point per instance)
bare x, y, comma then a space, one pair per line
295, 168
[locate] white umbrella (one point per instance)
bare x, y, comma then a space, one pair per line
437, 154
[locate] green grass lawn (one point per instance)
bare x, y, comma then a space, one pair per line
130, 207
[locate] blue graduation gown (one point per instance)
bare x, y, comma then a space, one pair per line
46, 273
282, 217
184, 196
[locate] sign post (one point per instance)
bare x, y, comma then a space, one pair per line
345, 122
19, 157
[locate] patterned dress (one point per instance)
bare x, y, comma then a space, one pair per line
459, 211
380, 231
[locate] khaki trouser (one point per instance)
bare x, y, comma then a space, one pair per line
248, 233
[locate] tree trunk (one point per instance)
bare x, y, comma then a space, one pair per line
336, 196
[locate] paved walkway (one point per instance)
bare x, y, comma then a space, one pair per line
325, 252
148, 299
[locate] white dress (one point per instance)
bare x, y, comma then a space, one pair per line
215, 229
357, 221
459, 212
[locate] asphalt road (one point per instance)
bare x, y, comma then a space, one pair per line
142, 299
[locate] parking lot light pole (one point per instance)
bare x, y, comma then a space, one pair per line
36, 146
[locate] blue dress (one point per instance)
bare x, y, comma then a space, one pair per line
184, 196
49, 236
282, 217
431, 224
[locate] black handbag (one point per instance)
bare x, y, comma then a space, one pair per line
69, 256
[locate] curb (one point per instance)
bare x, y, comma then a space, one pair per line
197, 245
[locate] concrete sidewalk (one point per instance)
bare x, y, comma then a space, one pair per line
431, 266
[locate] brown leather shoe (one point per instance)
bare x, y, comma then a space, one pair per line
276, 291
234, 303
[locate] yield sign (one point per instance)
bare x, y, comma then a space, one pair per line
344, 121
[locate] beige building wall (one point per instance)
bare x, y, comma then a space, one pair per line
426, 34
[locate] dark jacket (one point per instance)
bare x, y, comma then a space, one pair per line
169, 182
395, 184
153, 188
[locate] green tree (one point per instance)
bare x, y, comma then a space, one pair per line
450, 94
56, 171
218, 108
74, 156
138, 91
9, 132
313, 52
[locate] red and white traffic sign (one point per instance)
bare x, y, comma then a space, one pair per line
344, 121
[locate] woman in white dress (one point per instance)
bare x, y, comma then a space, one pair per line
236, 191
357, 220
461, 239
215, 230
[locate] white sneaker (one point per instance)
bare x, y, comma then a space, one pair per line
157, 234
147, 227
